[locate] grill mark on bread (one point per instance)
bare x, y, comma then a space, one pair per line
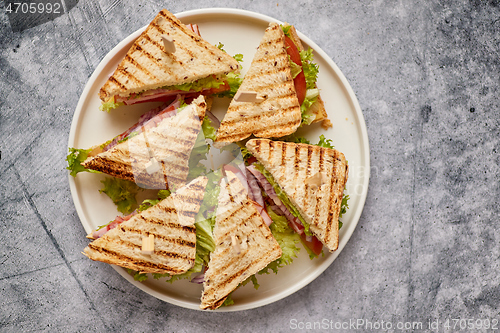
273, 72
226, 236
119, 84
296, 163
275, 41
178, 241
231, 216
148, 38
237, 195
140, 67
173, 255
156, 61
171, 225
133, 261
110, 167
334, 202
172, 21
158, 28
228, 218
317, 211
150, 57
188, 32
222, 284
308, 171
129, 76
331, 203
283, 156
190, 199
257, 117
272, 86
269, 113
257, 145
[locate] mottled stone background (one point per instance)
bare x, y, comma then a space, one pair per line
426, 74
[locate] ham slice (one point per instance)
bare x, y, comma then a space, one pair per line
268, 188
119, 219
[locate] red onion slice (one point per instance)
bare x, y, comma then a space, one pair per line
268, 188
198, 279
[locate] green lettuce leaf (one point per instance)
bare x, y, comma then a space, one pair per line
122, 193
110, 104
234, 81
208, 82
75, 159
309, 100
287, 238
201, 149
137, 276
294, 68
147, 203
283, 197
324, 142
310, 69
208, 130
286, 30
252, 279
238, 57
229, 301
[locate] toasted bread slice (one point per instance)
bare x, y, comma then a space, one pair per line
318, 107
170, 143
148, 66
171, 221
312, 177
244, 244
270, 77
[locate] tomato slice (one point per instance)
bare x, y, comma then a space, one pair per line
296, 225
222, 87
300, 80
251, 160
314, 245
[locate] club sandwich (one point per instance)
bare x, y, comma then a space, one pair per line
154, 154
278, 92
244, 245
309, 180
167, 59
171, 226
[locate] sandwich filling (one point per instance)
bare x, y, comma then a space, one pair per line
305, 74
206, 86
226, 85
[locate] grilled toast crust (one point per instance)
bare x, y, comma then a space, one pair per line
238, 220
170, 143
269, 75
147, 66
291, 165
171, 221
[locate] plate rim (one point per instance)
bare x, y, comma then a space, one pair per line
365, 155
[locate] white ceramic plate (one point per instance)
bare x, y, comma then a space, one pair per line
240, 32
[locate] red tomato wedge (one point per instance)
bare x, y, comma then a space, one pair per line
314, 245
300, 80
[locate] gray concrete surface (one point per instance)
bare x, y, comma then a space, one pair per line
427, 76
